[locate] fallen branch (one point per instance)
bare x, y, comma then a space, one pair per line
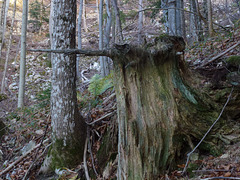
101, 118
214, 170
221, 178
189, 154
21, 157
220, 55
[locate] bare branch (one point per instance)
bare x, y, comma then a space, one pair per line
107, 53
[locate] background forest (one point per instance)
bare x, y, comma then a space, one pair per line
211, 31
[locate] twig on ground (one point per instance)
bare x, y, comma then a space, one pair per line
21, 157
189, 154
219, 55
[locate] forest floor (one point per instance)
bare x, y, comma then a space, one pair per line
27, 132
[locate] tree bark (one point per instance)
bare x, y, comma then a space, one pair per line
172, 18
157, 110
8, 49
23, 55
210, 22
79, 35
160, 115
140, 22
4, 21
106, 38
119, 35
68, 126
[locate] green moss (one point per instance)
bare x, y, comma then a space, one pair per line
210, 148
65, 155
233, 60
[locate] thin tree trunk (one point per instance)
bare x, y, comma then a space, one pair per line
41, 17
140, 22
2, 16
113, 28
164, 5
97, 10
4, 26
84, 17
179, 18
119, 35
192, 22
172, 17
23, 55
210, 23
106, 39
8, 49
79, 35
101, 59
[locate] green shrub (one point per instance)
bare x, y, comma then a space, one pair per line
98, 84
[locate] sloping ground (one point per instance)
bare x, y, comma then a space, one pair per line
27, 128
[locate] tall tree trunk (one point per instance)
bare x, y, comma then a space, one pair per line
2, 16
84, 17
97, 10
172, 17
41, 17
101, 59
180, 25
140, 22
68, 126
23, 55
192, 22
119, 35
106, 39
8, 49
4, 19
210, 22
164, 5
157, 109
79, 35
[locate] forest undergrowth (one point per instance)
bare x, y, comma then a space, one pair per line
26, 136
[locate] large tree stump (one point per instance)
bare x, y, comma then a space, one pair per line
157, 109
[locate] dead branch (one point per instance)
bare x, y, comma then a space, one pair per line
221, 178
101, 118
220, 55
107, 53
23, 156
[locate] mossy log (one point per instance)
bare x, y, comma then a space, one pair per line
158, 112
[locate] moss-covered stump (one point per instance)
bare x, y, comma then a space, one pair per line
159, 114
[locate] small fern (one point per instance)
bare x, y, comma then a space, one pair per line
98, 84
